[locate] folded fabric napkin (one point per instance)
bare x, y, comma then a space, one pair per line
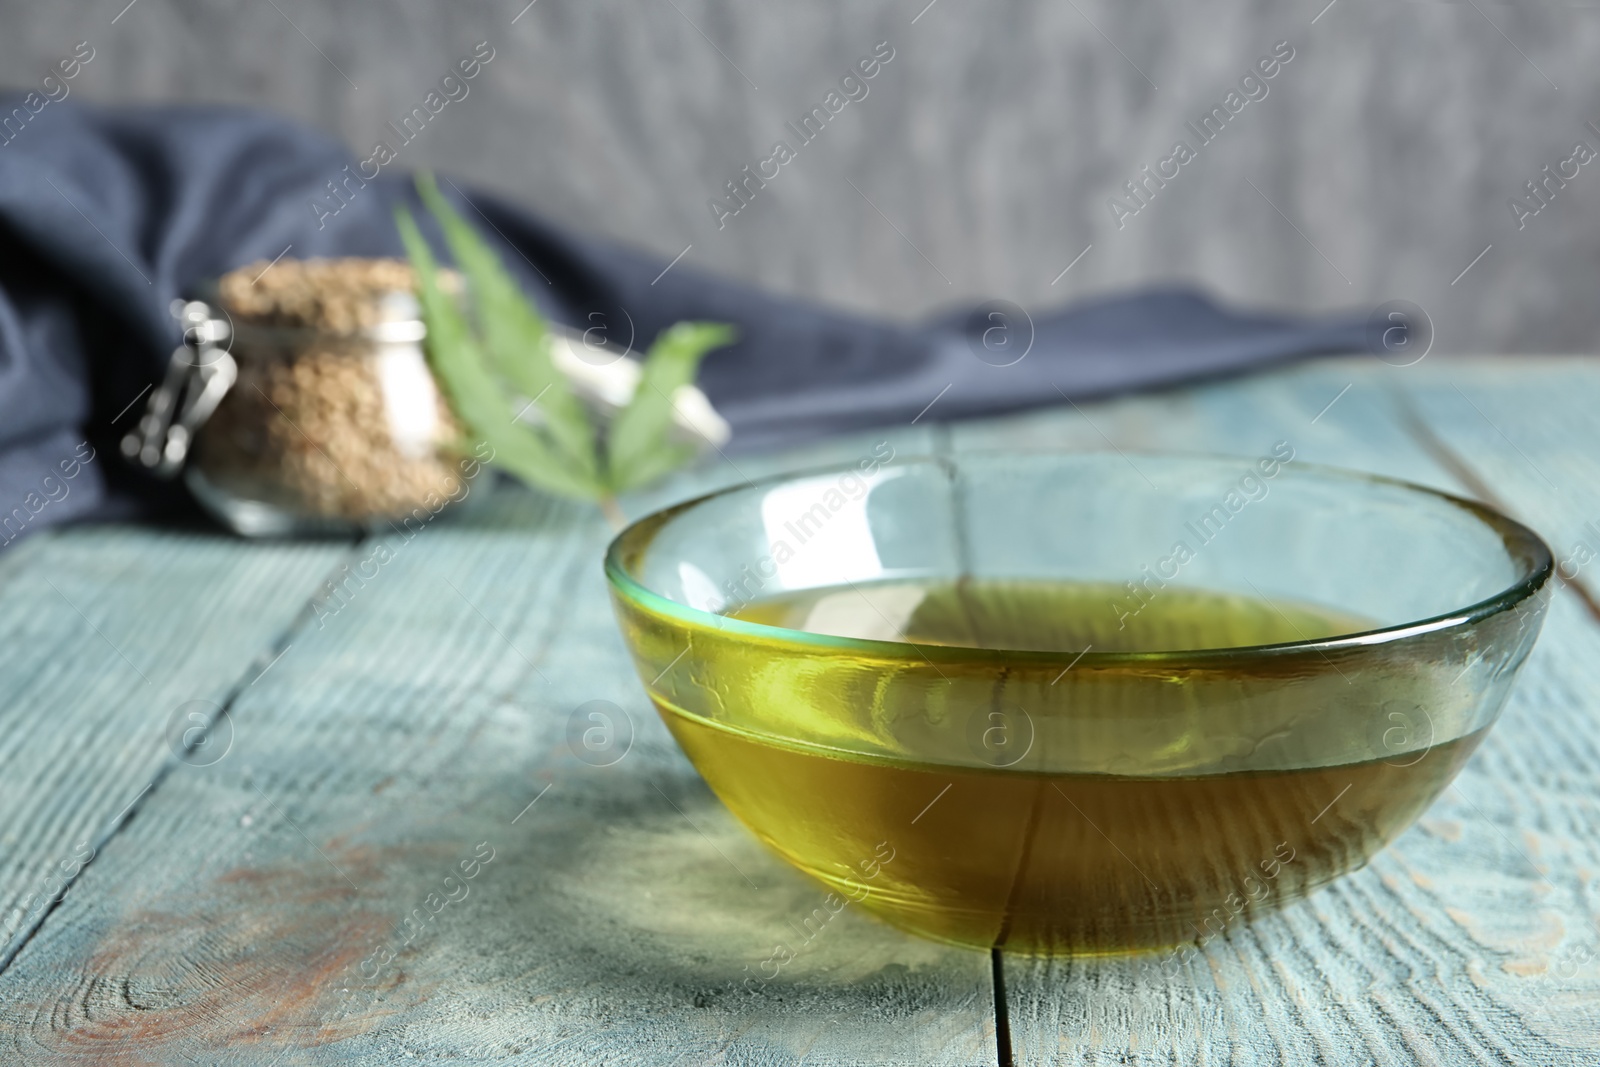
107, 214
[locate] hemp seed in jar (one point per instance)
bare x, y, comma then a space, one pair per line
334, 422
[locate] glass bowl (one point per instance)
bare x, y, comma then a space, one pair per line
1077, 703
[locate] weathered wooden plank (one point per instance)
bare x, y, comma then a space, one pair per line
1471, 939
623, 917
1530, 430
106, 634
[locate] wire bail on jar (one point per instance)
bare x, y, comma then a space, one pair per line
200, 372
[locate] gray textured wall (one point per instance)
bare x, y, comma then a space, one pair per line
1390, 143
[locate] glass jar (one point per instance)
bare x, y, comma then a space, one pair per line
300, 403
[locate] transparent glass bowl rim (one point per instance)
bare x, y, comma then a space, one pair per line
1525, 548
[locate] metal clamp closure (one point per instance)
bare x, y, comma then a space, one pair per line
200, 372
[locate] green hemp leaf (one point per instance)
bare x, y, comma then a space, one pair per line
491, 353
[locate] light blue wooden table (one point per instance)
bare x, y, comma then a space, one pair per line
276, 892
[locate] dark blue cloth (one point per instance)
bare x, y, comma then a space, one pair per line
107, 214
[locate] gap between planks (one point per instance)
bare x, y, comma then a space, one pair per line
275, 649
1002, 1012
1412, 422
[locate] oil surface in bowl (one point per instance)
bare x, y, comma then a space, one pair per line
1112, 808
